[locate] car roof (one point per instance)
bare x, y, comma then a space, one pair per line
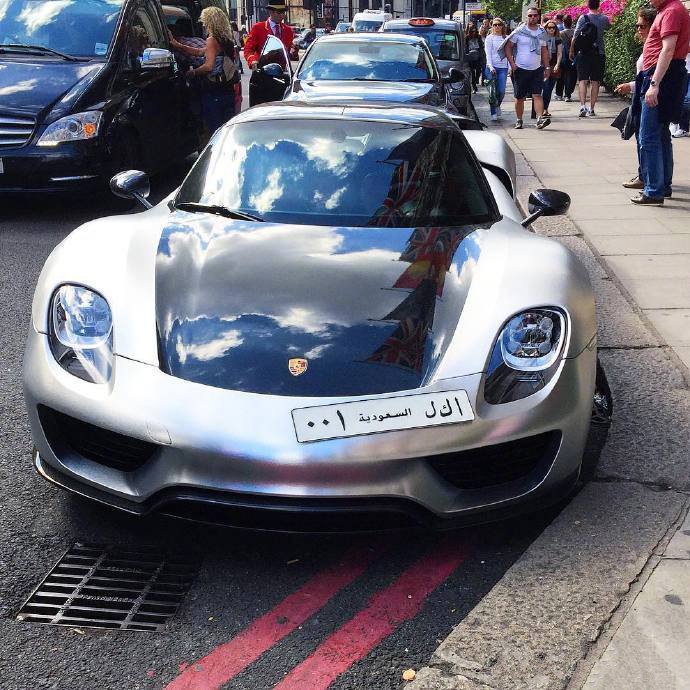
394, 113
369, 37
438, 23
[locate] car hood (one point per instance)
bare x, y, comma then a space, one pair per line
400, 92
34, 86
369, 310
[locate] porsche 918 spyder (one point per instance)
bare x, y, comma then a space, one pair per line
339, 317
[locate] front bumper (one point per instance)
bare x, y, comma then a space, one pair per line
69, 166
223, 449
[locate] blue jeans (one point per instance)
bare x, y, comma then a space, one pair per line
547, 90
656, 153
684, 122
217, 106
501, 79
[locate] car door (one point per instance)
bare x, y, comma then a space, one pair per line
153, 95
274, 74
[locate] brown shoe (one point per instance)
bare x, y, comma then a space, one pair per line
635, 183
644, 200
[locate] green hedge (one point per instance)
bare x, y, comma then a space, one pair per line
622, 47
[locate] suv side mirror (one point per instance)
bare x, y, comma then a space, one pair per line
274, 70
454, 76
546, 202
132, 184
156, 58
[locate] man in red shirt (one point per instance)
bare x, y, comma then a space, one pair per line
661, 88
275, 26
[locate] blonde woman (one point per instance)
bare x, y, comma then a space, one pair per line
217, 96
496, 66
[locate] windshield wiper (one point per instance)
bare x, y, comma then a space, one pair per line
27, 48
194, 207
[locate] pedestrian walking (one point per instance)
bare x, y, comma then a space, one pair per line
659, 92
588, 46
496, 65
474, 49
565, 85
529, 63
274, 26
645, 18
216, 75
555, 49
682, 128
485, 29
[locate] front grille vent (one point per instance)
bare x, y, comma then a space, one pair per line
65, 433
99, 587
15, 130
498, 464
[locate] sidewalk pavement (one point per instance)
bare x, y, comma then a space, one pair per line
646, 248
648, 251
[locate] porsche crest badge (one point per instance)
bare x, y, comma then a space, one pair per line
297, 365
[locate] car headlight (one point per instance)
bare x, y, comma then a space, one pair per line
72, 128
526, 355
81, 333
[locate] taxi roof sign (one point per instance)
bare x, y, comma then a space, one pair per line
421, 21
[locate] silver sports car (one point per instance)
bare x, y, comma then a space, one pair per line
338, 316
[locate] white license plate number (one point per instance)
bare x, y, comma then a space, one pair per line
376, 415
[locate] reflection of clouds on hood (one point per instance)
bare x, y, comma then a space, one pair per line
25, 85
265, 201
317, 351
290, 273
209, 350
37, 14
334, 200
4, 5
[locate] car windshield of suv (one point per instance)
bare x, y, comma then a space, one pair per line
367, 61
341, 173
443, 44
79, 28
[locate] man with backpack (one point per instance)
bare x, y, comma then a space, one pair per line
588, 46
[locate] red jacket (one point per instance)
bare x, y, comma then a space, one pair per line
258, 35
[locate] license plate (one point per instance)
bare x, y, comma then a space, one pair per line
2, 167
376, 415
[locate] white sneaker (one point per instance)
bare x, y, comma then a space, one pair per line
679, 133
567, 99
494, 117
557, 98
673, 128
583, 111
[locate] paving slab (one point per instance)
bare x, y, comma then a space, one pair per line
672, 324
650, 266
650, 649
650, 435
679, 546
595, 228
667, 243
532, 628
659, 293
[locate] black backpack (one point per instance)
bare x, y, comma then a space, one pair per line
587, 38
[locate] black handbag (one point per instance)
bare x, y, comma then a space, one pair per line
625, 123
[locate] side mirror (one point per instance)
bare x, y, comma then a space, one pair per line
546, 202
156, 58
132, 184
274, 70
454, 76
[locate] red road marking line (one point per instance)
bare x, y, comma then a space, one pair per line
386, 610
227, 660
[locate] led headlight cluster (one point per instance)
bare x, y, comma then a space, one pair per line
526, 355
81, 333
72, 128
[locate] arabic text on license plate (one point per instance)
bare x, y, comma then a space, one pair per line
375, 415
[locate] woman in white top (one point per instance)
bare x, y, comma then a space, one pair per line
645, 19
496, 67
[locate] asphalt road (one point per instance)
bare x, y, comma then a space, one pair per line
379, 605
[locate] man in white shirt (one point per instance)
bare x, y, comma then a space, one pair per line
529, 63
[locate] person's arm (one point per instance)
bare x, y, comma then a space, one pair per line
509, 54
252, 49
578, 24
187, 50
545, 61
559, 57
668, 47
488, 46
212, 50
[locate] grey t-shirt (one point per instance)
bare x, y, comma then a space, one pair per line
601, 21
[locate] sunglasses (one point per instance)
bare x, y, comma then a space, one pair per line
640, 26
497, 24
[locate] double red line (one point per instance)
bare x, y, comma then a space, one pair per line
386, 610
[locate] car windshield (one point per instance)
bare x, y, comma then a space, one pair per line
367, 60
443, 44
80, 28
367, 25
341, 173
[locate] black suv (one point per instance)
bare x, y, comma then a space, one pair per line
88, 89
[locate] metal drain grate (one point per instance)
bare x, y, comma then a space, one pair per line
100, 587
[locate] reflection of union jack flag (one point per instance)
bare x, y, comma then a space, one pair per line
404, 188
404, 347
